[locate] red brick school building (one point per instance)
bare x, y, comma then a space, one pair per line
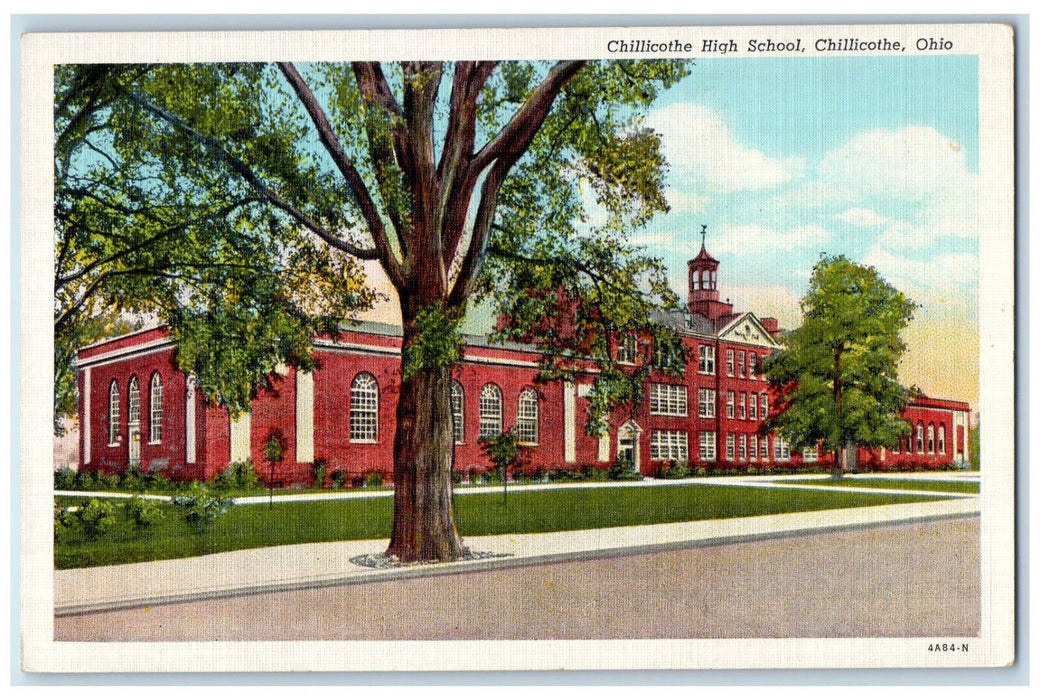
137, 408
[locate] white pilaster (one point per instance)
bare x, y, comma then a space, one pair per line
304, 416
189, 422
570, 452
604, 446
87, 398
241, 428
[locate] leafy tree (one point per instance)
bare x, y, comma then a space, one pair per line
236, 202
974, 456
836, 378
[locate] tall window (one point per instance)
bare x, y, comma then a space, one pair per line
743, 447
753, 366
920, 438
527, 418
741, 365
364, 408
155, 410
669, 445
706, 403
133, 397
742, 406
668, 400
763, 404
626, 351
113, 413
729, 363
707, 360
731, 404
931, 439
754, 448
942, 439
752, 407
490, 411
707, 447
458, 412
763, 450
731, 446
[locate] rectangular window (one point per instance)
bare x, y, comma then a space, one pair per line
626, 351
811, 454
743, 406
743, 447
763, 403
754, 448
781, 449
742, 364
707, 360
706, 404
764, 449
731, 446
668, 400
707, 447
731, 404
752, 408
753, 366
729, 363
669, 445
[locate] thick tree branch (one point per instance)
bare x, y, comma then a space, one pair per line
346, 167
246, 173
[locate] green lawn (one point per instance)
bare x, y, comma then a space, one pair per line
248, 526
902, 484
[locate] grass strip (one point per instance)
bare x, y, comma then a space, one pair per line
900, 484
250, 526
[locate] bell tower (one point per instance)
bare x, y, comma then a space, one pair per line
703, 281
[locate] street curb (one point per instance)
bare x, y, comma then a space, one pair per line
480, 565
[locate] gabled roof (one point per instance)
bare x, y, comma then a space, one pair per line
746, 328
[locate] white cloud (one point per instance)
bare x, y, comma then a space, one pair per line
862, 218
698, 143
682, 202
754, 239
945, 281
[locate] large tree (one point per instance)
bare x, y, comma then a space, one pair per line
254, 191
836, 378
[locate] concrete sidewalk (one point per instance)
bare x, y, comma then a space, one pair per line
326, 564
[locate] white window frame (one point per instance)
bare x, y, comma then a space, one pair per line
364, 409
752, 408
919, 444
942, 438
742, 454
742, 363
458, 412
527, 417
763, 451
754, 449
707, 446
729, 363
668, 400
113, 413
811, 455
706, 359
731, 447
931, 438
742, 406
731, 405
627, 350
781, 449
133, 401
669, 446
706, 403
763, 405
490, 410
155, 409
753, 365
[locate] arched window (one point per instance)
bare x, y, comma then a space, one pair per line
527, 418
155, 410
920, 438
458, 412
931, 439
942, 439
113, 413
364, 408
490, 411
133, 408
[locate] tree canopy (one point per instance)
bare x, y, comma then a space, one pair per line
237, 202
837, 376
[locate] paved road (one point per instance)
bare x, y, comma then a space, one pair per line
911, 580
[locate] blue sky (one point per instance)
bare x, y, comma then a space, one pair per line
872, 157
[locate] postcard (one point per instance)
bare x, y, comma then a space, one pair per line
518, 349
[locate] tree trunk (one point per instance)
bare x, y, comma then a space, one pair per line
424, 453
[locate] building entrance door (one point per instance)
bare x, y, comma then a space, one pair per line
628, 445
134, 444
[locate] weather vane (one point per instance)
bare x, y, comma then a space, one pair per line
704, 232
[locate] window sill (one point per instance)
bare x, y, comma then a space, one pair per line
364, 442
155, 442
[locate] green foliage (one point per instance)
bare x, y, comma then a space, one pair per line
339, 478
675, 471
622, 470
64, 479
837, 375
374, 481
503, 450
131, 480
144, 514
274, 448
239, 476
436, 345
95, 517
200, 507
974, 456
319, 469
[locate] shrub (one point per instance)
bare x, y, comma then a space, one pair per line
238, 475
674, 471
621, 470
131, 481
64, 479
200, 508
158, 482
95, 518
106, 482
374, 481
85, 481
318, 471
339, 478
142, 513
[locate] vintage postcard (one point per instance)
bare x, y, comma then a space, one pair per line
604, 348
